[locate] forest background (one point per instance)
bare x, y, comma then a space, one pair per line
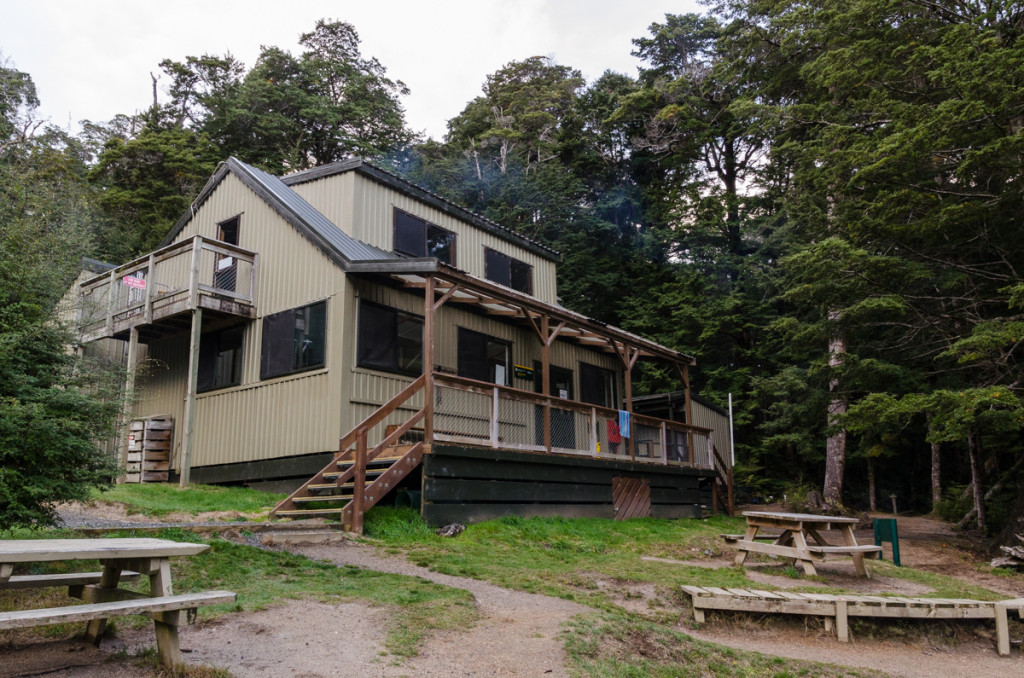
821, 201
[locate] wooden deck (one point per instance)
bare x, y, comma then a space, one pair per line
836, 609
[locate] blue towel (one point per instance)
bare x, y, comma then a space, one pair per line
624, 423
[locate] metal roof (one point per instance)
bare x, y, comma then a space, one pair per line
387, 178
344, 244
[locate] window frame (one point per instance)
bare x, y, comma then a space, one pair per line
270, 346
212, 352
394, 365
612, 390
400, 216
463, 368
492, 257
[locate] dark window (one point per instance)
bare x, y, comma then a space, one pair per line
225, 276
294, 340
482, 357
597, 386
227, 231
504, 270
220, 359
389, 339
419, 238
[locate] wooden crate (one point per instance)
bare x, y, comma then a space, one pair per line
149, 450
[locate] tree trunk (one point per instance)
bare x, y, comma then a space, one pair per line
835, 446
974, 448
936, 467
872, 504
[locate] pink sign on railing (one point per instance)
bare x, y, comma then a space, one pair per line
132, 281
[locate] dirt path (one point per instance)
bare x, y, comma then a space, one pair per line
517, 636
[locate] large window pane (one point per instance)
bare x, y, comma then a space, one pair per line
220, 359
389, 339
419, 238
294, 340
482, 357
504, 270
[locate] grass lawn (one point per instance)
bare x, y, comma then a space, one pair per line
611, 566
161, 499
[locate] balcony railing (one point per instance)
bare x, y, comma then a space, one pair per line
476, 413
193, 273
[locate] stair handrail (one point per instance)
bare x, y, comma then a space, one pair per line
359, 432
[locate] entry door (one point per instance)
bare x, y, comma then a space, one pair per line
563, 424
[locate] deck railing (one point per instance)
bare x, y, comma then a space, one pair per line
167, 281
477, 413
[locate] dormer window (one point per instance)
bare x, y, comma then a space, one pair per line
504, 270
419, 238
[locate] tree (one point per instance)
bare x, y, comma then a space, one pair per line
292, 112
53, 406
904, 187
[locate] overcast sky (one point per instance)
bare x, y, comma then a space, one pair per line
91, 59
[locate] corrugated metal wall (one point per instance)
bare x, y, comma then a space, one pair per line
290, 415
710, 418
364, 209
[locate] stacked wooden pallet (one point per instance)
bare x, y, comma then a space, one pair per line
836, 609
149, 450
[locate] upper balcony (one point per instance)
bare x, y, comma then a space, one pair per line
156, 292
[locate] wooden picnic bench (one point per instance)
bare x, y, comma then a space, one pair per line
123, 561
836, 609
800, 539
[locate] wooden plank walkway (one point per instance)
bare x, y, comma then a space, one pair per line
836, 609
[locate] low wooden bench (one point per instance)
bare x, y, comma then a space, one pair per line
144, 605
733, 538
836, 609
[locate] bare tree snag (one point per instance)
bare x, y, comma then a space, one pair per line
835, 446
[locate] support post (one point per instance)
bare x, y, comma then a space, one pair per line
112, 291
150, 282
630, 361
126, 404
428, 361
190, 397
689, 411
664, 444
545, 357
593, 431
193, 279
359, 483
494, 418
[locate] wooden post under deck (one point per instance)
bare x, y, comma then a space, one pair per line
126, 404
190, 397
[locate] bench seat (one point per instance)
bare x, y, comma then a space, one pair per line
836, 609
20, 619
31, 581
731, 538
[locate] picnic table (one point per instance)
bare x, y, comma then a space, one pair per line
123, 561
800, 539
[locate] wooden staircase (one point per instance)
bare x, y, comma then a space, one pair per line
357, 478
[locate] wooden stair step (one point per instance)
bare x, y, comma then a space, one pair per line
291, 513
322, 497
334, 486
379, 461
370, 473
